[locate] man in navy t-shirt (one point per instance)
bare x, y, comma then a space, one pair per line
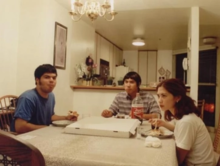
35, 107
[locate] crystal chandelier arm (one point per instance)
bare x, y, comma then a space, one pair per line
111, 14
75, 17
102, 10
82, 9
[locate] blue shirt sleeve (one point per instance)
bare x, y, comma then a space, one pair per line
24, 109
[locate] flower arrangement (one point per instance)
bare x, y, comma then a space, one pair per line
87, 70
81, 71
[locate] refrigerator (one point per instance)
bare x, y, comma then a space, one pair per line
120, 72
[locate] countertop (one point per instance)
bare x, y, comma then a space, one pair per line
109, 87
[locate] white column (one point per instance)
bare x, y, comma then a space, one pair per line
193, 53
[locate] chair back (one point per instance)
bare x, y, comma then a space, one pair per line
7, 108
14, 151
216, 143
201, 105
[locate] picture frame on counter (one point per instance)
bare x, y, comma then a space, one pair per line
60, 46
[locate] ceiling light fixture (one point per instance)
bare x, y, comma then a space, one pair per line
138, 42
92, 9
209, 40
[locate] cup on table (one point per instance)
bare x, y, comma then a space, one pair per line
84, 115
154, 117
139, 131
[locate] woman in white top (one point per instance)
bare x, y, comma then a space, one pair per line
193, 142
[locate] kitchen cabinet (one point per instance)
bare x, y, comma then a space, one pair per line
147, 66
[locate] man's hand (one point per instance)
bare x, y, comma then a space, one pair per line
72, 115
107, 113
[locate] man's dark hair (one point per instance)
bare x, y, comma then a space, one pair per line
135, 76
45, 68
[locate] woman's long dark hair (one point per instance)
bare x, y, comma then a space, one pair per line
185, 105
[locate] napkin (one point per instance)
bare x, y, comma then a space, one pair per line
152, 142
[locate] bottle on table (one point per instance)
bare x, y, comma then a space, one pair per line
137, 107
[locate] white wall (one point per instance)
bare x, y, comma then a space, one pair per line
9, 33
193, 54
131, 59
27, 41
164, 59
82, 44
36, 44
93, 101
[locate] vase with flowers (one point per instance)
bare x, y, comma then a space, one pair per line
87, 72
91, 68
81, 71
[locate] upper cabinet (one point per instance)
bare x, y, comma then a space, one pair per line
107, 51
147, 66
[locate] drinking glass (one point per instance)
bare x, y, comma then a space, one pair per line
139, 130
155, 117
83, 115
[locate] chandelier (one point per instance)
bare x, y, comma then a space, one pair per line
92, 9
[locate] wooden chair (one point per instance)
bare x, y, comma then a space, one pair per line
14, 151
7, 108
216, 143
201, 105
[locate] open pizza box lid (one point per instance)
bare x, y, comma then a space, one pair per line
99, 126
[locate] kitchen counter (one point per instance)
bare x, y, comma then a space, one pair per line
112, 88
94, 99
109, 87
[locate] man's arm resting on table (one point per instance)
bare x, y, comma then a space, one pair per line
73, 116
22, 126
57, 117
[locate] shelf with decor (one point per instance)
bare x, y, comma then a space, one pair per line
104, 87
108, 87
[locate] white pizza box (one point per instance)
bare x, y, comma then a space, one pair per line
99, 126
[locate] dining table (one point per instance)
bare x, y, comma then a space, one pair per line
62, 149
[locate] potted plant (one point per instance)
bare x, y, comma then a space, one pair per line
109, 80
120, 81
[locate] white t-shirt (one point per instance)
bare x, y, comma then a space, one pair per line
191, 134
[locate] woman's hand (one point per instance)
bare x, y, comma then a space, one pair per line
160, 122
157, 122
72, 115
107, 113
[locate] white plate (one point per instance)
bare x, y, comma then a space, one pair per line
62, 123
166, 134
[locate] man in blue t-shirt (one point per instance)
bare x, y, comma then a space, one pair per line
35, 107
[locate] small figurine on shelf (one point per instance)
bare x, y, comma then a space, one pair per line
91, 68
123, 63
89, 61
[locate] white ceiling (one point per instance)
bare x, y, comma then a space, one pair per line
163, 24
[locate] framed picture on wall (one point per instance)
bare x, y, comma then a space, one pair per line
60, 42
